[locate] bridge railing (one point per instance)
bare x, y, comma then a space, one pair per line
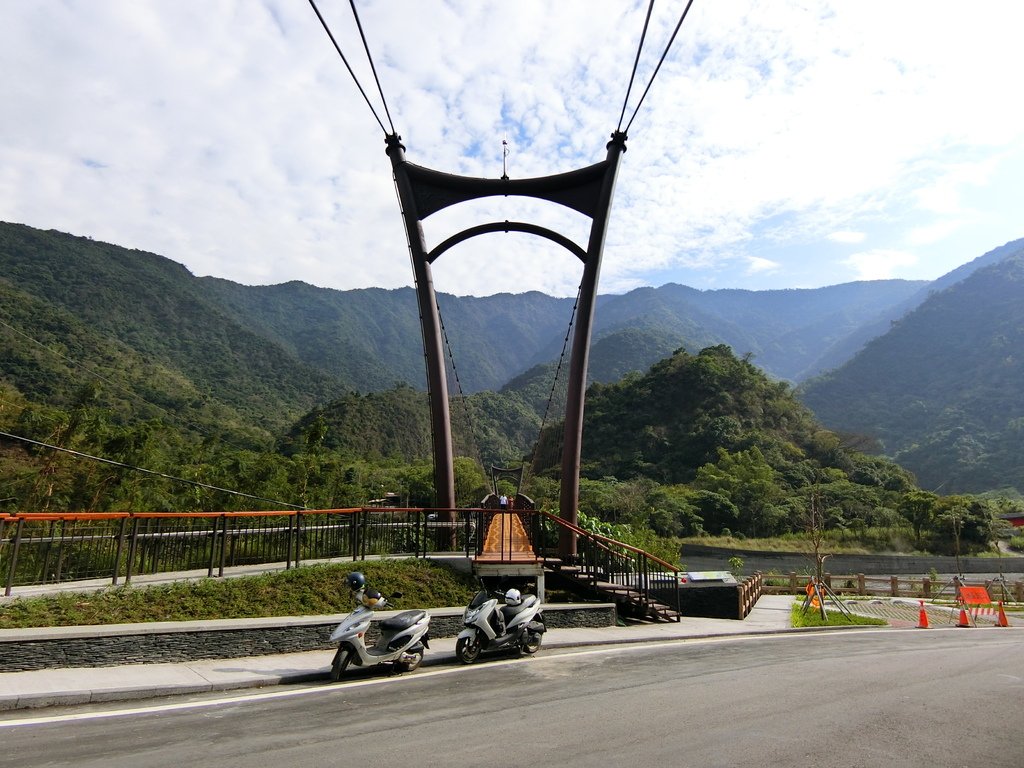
603, 560
44, 548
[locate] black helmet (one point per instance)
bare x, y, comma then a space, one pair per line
355, 581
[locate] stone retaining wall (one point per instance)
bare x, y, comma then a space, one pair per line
111, 645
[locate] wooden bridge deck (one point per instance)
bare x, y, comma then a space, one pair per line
506, 541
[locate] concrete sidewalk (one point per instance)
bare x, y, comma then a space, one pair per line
51, 687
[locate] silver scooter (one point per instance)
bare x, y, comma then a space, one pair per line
515, 623
402, 637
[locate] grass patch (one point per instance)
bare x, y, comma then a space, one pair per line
812, 618
863, 541
307, 591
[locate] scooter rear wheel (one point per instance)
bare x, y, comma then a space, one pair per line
467, 650
413, 664
531, 643
340, 663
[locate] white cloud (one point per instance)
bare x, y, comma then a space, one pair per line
227, 135
879, 264
847, 237
757, 265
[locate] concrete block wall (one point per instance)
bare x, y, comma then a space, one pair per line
161, 642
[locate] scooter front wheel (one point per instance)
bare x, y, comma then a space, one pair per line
340, 663
467, 649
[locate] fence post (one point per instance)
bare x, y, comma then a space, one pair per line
120, 549
290, 541
926, 587
223, 544
14, 557
792, 582
894, 586
1018, 588
420, 533
132, 548
861, 587
828, 580
214, 532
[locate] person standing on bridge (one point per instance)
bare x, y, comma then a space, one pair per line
503, 502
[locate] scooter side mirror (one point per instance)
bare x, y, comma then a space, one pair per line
395, 595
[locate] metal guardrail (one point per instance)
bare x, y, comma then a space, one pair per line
44, 548
37, 548
600, 559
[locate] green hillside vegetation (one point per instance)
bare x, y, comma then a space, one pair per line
125, 355
707, 443
367, 340
136, 323
309, 591
727, 451
942, 390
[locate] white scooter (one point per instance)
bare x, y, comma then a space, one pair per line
402, 637
517, 624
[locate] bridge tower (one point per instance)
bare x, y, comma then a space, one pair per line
423, 192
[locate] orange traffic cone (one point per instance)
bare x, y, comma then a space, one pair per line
964, 619
1001, 621
922, 621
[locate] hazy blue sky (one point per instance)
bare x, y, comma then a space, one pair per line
784, 144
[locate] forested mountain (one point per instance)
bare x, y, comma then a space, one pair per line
140, 336
143, 334
307, 343
942, 389
739, 448
846, 347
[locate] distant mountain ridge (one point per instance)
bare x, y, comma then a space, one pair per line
259, 363
942, 388
369, 339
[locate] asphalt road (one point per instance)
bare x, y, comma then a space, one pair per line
873, 698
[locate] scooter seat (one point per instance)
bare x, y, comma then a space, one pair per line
404, 620
511, 611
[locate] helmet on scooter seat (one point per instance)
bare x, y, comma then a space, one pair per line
355, 581
371, 597
513, 597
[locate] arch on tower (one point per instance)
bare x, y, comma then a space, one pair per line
423, 192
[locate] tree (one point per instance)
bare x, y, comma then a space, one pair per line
748, 481
919, 508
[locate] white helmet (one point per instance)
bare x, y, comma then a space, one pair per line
513, 597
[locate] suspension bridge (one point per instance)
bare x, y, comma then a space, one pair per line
516, 540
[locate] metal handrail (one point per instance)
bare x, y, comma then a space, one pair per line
48, 547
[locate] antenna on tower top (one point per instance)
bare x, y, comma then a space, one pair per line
504, 159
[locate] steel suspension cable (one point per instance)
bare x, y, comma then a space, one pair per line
636, 62
355, 79
661, 61
558, 369
102, 460
373, 68
462, 395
